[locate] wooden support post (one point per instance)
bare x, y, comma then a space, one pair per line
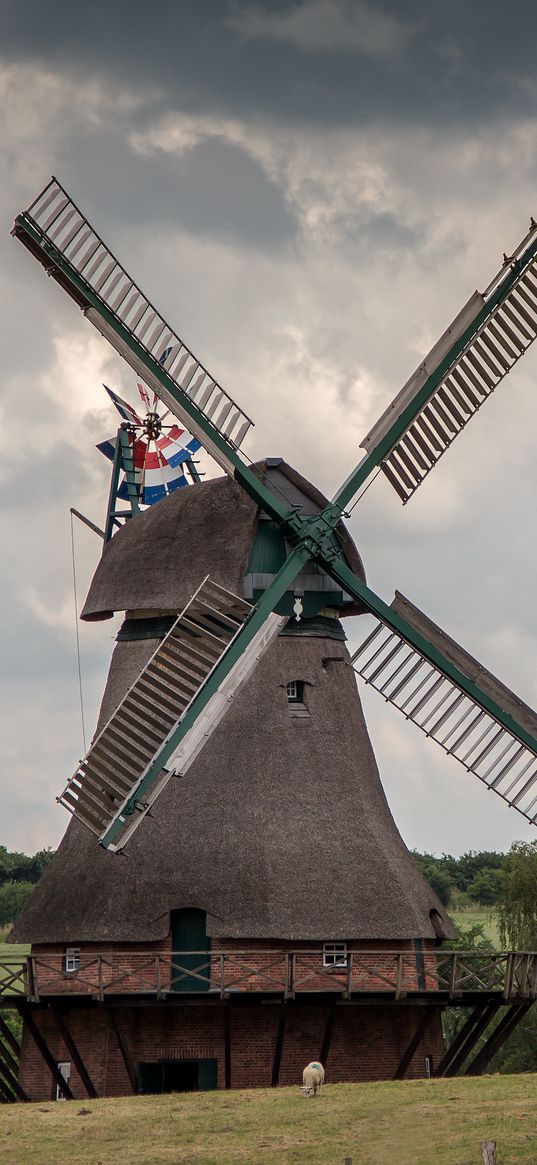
125, 1053
279, 1047
45, 1051
414, 1043
467, 1039
10, 1039
74, 1052
6, 1097
10, 1070
8, 1081
227, 1046
488, 1152
460, 1039
510, 1021
327, 1037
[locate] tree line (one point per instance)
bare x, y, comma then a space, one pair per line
474, 878
18, 875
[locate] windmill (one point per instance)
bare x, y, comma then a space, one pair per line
219, 637
153, 456
231, 664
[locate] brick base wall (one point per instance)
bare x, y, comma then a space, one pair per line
367, 1043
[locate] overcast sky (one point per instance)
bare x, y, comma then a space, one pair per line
309, 191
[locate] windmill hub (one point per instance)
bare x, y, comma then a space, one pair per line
152, 426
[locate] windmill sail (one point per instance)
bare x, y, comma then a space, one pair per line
61, 238
479, 720
138, 750
474, 355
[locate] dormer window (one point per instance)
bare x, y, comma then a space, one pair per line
295, 699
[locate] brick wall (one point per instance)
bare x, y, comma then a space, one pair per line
367, 1042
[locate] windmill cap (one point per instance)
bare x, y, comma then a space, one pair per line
158, 559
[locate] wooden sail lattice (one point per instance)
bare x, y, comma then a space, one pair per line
130, 743
459, 390
498, 755
60, 223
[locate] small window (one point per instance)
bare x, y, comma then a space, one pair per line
65, 1070
295, 691
428, 1065
334, 954
72, 959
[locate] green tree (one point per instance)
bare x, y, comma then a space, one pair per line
13, 896
486, 886
517, 903
437, 876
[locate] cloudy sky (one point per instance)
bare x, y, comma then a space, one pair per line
309, 190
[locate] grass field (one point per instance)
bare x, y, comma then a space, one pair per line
428, 1122
467, 918
13, 950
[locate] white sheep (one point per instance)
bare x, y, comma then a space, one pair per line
312, 1078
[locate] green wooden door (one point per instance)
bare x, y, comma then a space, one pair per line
189, 933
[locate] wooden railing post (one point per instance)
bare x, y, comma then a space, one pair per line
453, 976
290, 975
398, 975
35, 983
508, 983
533, 977
349, 975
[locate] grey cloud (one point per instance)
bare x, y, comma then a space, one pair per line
463, 64
214, 188
59, 464
350, 26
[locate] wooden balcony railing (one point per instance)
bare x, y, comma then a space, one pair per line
455, 975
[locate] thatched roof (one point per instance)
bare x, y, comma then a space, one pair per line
280, 829
158, 560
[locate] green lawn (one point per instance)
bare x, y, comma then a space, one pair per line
485, 918
14, 950
427, 1122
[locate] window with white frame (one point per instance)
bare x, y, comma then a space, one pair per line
72, 959
295, 691
65, 1070
334, 954
295, 699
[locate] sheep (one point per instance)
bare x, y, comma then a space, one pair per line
313, 1078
